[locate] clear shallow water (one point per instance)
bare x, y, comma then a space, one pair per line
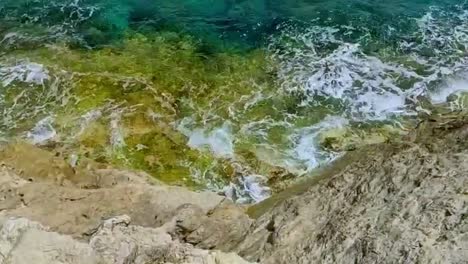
358, 70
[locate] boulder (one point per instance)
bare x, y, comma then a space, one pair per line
114, 242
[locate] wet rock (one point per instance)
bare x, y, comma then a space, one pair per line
349, 140
35, 164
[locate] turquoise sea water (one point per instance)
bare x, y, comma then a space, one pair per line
242, 22
357, 69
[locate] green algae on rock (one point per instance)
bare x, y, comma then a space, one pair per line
140, 103
119, 105
97, 79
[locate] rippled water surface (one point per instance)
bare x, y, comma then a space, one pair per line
238, 96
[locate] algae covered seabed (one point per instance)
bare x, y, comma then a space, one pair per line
240, 97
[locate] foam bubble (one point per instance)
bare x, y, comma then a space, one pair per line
116, 132
218, 140
320, 64
27, 72
451, 87
306, 147
251, 189
42, 131
87, 118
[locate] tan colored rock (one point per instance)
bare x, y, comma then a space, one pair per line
114, 242
34, 164
77, 203
26, 242
120, 243
75, 211
392, 203
222, 228
89, 196
400, 202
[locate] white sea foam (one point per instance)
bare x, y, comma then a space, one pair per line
324, 69
367, 86
306, 147
87, 118
256, 188
42, 131
360, 82
27, 72
319, 64
116, 132
251, 188
218, 140
449, 88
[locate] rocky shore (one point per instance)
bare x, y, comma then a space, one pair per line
404, 201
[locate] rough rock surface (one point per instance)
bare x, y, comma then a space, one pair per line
76, 209
79, 205
405, 202
23, 241
114, 242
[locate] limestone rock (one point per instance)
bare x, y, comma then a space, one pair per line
397, 202
120, 243
114, 242
83, 204
25, 242
222, 228
392, 203
76, 211
34, 164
